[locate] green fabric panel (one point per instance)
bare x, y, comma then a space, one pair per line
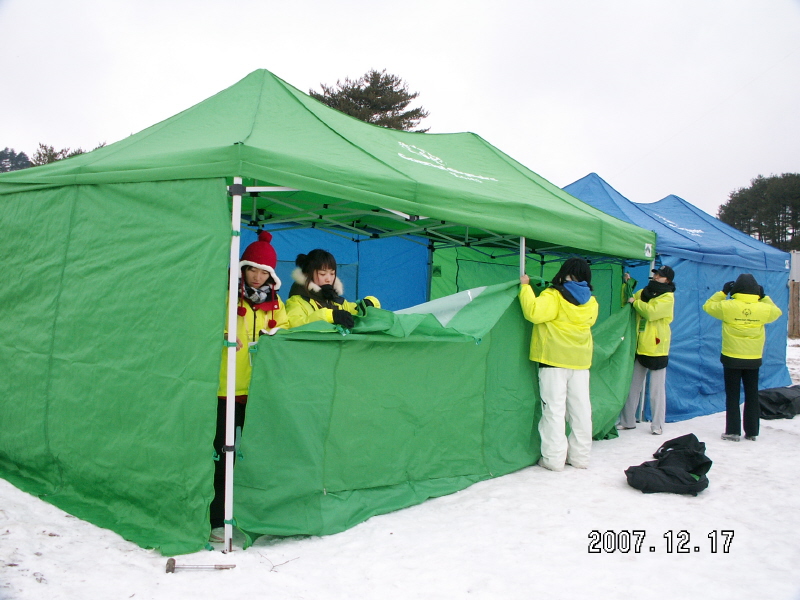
466, 268
341, 428
606, 281
513, 404
131, 373
612, 369
444, 274
457, 269
440, 432
34, 246
265, 129
343, 510
279, 478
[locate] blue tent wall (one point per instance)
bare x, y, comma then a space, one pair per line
730, 253
705, 253
394, 270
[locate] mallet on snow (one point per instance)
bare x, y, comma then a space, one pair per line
172, 567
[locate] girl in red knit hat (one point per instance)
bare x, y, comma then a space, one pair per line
259, 310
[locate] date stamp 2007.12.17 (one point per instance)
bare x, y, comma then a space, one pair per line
677, 542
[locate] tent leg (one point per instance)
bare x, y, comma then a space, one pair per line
230, 399
521, 256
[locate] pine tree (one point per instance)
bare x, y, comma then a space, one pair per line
768, 210
47, 154
377, 97
13, 161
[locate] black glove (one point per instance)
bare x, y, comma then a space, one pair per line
761, 291
368, 302
726, 289
343, 318
328, 292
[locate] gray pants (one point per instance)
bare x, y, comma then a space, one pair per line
658, 397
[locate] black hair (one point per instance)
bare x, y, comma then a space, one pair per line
577, 268
316, 260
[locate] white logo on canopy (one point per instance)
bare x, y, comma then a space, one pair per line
438, 163
674, 225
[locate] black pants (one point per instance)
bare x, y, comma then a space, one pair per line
752, 409
217, 510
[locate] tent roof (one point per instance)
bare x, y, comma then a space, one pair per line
682, 230
346, 173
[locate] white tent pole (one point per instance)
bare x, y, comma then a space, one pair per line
521, 256
230, 399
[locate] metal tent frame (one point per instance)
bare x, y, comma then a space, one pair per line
289, 208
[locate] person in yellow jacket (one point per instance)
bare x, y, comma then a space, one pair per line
561, 344
316, 294
259, 310
654, 310
743, 317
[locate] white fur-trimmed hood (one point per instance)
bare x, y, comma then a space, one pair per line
299, 277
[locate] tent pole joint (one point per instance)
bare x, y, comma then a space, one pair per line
237, 189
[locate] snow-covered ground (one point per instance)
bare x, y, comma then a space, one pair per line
526, 535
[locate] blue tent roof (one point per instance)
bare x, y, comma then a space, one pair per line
594, 190
720, 243
705, 253
683, 230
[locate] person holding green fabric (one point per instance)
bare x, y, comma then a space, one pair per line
743, 317
654, 306
259, 310
561, 344
316, 294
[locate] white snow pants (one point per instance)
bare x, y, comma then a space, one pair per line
565, 396
658, 397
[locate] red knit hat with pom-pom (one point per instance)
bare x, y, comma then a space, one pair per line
261, 255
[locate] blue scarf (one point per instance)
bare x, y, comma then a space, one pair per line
579, 290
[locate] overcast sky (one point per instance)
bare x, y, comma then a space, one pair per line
686, 97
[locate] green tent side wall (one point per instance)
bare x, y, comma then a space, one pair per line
111, 305
343, 428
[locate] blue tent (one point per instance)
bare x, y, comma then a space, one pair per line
393, 269
705, 253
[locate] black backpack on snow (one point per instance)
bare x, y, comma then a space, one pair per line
680, 468
780, 403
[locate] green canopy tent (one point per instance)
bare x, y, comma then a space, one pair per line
115, 267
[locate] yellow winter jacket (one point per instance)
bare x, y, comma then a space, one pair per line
743, 318
652, 320
562, 334
248, 330
301, 310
